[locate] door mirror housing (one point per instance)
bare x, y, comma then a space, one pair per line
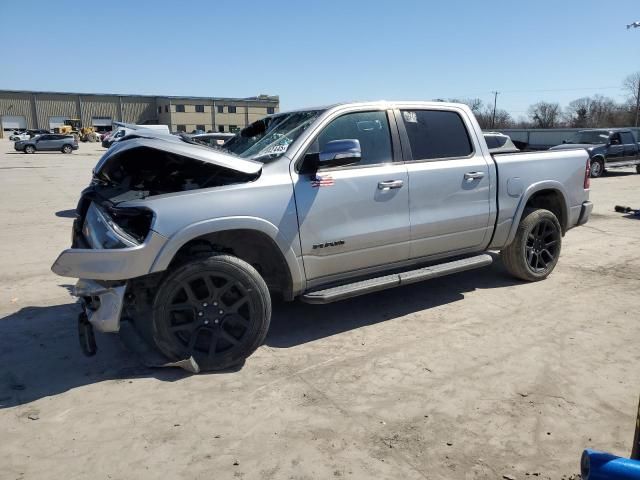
340, 152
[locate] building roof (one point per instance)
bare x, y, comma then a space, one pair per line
258, 98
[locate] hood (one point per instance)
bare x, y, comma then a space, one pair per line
568, 146
173, 144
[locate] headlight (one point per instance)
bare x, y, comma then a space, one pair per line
101, 231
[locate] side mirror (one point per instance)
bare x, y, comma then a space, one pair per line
340, 152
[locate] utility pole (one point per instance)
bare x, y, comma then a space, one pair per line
637, 101
495, 101
636, 25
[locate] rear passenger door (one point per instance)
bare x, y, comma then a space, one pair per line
630, 146
449, 182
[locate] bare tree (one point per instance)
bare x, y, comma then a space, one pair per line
545, 115
577, 113
631, 85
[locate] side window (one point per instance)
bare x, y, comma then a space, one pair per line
436, 134
615, 139
371, 129
627, 138
45, 137
492, 141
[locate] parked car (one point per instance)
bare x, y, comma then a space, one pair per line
125, 129
186, 244
48, 143
14, 137
38, 131
212, 139
499, 143
607, 148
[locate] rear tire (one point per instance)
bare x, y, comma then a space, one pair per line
597, 168
216, 310
535, 250
67, 149
29, 149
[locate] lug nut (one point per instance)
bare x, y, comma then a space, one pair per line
206, 322
216, 321
221, 312
200, 314
215, 304
205, 304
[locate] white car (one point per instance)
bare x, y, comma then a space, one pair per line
19, 136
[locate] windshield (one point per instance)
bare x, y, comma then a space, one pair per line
270, 137
592, 137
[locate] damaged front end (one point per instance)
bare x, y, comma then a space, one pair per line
113, 242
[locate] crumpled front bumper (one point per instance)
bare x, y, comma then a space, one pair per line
113, 264
102, 304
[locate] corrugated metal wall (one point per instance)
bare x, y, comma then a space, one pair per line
98, 106
52, 105
17, 104
139, 110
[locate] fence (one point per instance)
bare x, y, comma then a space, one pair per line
544, 138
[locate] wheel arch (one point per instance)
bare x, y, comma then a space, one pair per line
254, 240
550, 195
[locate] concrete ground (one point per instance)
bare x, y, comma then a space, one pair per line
471, 376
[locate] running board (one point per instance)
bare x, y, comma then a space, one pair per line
341, 292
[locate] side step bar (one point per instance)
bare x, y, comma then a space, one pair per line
341, 292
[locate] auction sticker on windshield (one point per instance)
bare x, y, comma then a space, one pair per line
274, 149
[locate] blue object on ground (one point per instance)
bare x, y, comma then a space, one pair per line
596, 465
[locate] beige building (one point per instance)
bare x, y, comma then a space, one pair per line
26, 109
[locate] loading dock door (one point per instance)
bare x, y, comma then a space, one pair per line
101, 124
12, 122
56, 122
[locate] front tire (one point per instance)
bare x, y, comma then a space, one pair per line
534, 252
29, 149
597, 168
216, 309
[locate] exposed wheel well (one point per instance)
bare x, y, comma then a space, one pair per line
252, 246
553, 201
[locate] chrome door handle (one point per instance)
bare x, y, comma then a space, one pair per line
473, 175
389, 184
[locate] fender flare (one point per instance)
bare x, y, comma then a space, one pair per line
195, 230
529, 192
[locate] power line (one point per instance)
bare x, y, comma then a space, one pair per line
541, 91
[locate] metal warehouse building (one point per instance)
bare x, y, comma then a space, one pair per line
26, 109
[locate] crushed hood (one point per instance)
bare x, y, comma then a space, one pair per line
173, 144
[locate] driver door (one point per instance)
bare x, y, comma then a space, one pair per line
353, 217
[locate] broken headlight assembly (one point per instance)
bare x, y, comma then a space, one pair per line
102, 230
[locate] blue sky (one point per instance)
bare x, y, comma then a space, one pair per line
313, 53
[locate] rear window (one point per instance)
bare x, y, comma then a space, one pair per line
436, 134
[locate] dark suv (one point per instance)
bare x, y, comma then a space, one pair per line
607, 148
48, 143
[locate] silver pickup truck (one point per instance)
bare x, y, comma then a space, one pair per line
187, 243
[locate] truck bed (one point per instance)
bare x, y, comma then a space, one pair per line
521, 174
